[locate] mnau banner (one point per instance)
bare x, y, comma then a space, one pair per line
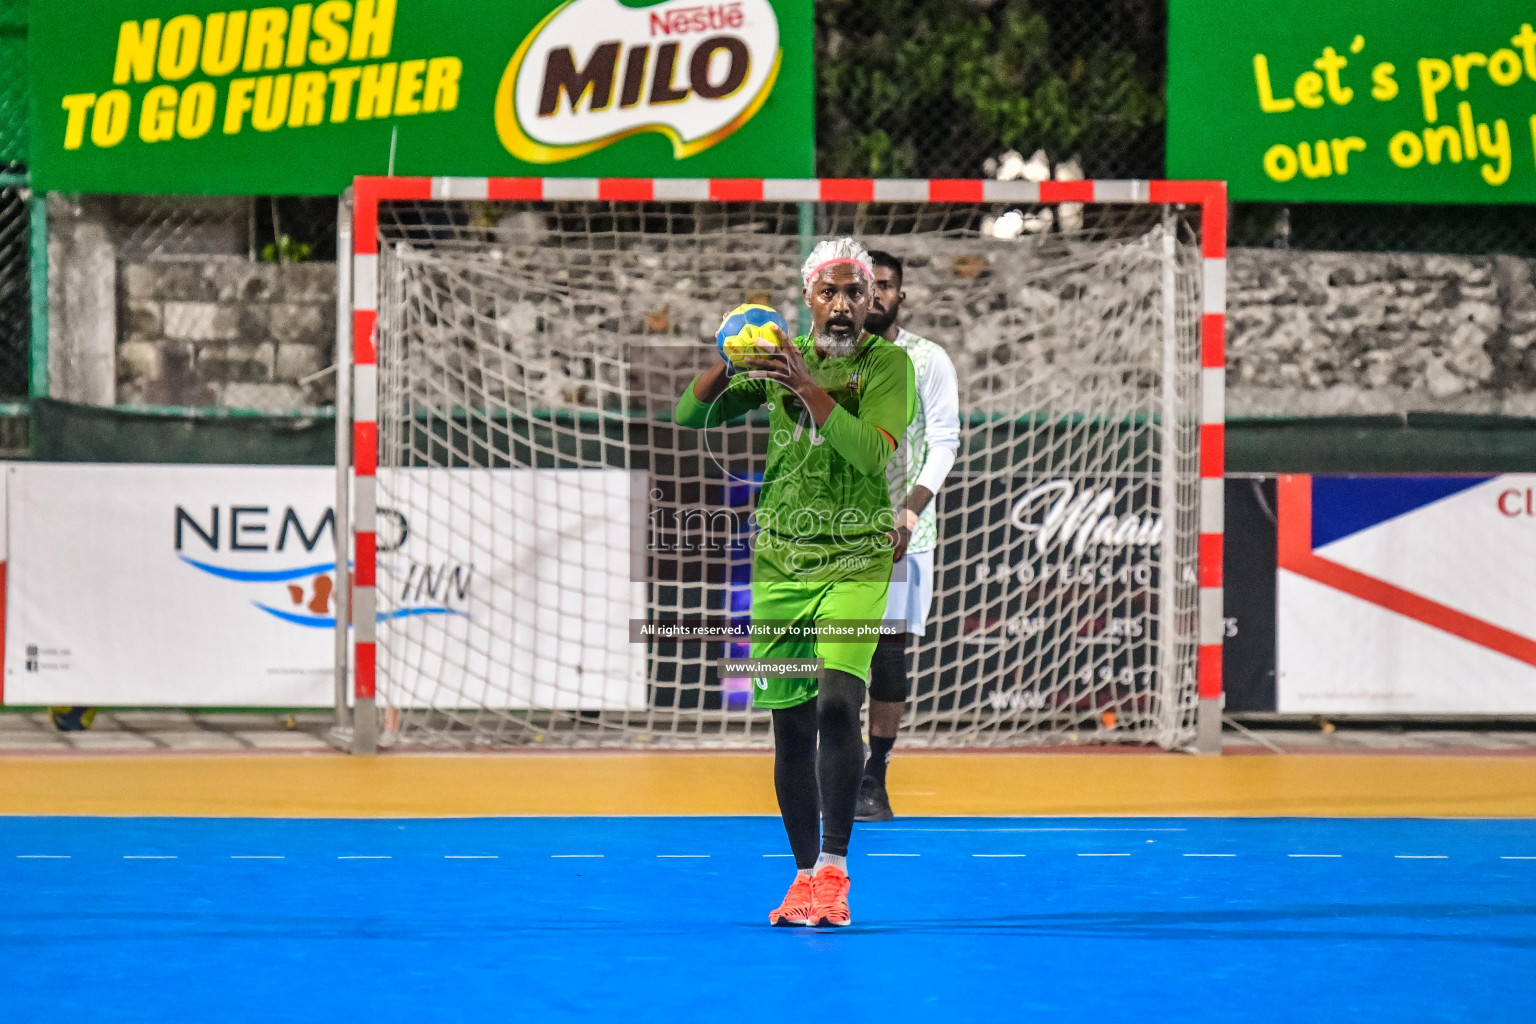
132, 96
1407, 594
217, 586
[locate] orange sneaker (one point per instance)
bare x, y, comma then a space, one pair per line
829, 898
796, 908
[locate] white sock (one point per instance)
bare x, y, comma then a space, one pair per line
841, 863
804, 872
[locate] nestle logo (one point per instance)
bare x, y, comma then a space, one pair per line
702, 18
598, 71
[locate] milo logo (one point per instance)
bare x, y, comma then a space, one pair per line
596, 71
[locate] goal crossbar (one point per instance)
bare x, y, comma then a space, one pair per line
357, 344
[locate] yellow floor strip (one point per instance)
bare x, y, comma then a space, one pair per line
410, 785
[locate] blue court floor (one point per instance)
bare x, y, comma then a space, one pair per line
663, 919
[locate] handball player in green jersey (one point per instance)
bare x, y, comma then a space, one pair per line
838, 400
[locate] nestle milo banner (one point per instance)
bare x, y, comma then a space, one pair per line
186, 96
1355, 100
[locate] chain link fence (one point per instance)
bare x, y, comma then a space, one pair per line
937, 88
14, 134
1360, 227
192, 302
1334, 309
157, 300
15, 292
260, 229
198, 302
15, 227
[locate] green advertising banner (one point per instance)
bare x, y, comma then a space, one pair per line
1355, 100
191, 97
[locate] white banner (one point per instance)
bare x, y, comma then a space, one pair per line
1407, 595
214, 586
158, 585
508, 588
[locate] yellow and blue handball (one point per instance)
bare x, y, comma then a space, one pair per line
746, 332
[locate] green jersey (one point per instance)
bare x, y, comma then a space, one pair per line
825, 508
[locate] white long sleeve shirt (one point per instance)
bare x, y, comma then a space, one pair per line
932, 441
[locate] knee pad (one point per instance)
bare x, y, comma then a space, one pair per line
841, 695
888, 671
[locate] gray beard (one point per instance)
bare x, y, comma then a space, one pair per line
834, 347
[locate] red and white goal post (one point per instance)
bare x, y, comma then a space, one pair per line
489, 326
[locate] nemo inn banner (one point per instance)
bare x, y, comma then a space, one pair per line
190, 97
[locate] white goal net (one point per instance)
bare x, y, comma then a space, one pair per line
537, 509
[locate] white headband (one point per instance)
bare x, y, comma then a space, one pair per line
836, 250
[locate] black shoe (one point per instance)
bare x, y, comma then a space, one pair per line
72, 719
874, 804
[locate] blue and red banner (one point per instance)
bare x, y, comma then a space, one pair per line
1407, 594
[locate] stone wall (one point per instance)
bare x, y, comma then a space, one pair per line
1309, 333
223, 331
1313, 333
82, 309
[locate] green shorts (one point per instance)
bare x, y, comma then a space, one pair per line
862, 600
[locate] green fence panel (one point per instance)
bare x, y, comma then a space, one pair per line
67, 432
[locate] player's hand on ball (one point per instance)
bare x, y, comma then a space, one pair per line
782, 363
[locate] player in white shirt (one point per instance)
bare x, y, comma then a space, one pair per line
916, 471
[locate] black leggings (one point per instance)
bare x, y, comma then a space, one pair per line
888, 670
797, 765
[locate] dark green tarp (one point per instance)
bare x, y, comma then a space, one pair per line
66, 432
1414, 443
